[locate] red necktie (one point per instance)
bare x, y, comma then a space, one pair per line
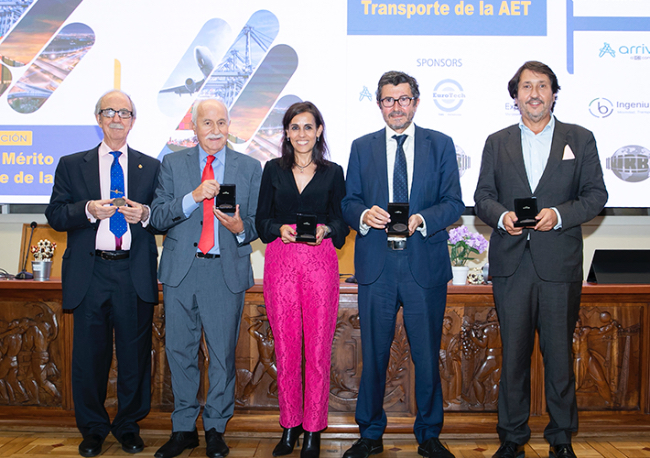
207, 232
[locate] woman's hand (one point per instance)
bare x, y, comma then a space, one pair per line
321, 231
288, 234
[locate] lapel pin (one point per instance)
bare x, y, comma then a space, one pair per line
139, 166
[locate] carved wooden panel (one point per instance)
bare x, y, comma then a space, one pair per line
30, 354
257, 372
607, 366
470, 359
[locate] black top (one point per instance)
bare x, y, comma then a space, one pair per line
280, 201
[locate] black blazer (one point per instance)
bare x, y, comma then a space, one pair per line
574, 186
75, 183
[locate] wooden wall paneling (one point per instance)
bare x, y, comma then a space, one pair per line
610, 343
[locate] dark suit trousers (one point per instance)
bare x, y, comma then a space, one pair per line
202, 302
111, 306
423, 311
526, 303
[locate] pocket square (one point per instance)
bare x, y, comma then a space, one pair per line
568, 154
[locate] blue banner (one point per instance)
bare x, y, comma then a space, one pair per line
447, 17
29, 156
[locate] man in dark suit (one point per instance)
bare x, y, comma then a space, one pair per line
401, 163
537, 269
205, 270
101, 197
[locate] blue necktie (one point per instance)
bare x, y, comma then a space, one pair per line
117, 223
400, 177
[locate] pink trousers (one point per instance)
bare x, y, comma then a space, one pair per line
301, 292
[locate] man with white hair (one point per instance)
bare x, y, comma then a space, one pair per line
100, 198
205, 270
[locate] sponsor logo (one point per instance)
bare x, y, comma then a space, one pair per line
630, 163
464, 161
634, 51
365, 94
601, 107
448, 95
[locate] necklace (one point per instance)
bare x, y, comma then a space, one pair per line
303, 167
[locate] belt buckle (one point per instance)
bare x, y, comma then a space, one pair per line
397, 245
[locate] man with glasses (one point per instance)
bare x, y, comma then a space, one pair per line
405, 164
100, 198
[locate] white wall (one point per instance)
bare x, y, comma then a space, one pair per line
623, 232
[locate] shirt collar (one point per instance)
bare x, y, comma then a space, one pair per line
219, 156
410, 131
104, 150
549, 127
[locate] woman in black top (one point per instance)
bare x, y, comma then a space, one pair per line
301, 280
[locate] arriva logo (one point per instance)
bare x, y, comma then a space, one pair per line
633, 51
606, 49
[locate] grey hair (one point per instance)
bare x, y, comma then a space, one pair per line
98, 105
197, 102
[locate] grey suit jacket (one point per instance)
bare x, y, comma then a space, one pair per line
574, 186
180, 174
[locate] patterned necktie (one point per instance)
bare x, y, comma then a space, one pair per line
117, 223
400, 177
207, 232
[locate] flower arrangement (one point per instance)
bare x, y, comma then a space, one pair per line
44, 250
464, 243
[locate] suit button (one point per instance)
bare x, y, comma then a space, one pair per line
91, 253
196, 244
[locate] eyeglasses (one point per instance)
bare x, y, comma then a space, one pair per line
404, 101
110, 113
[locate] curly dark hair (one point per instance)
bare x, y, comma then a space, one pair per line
536, 67
395, 78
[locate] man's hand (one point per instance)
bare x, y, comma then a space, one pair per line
233, 223
414, 223
287, 233
208, 189
321, 232
100, 209
376, 217
134, 213
546, 220
509, 220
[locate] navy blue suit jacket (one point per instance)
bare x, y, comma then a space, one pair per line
75, 183
435, 194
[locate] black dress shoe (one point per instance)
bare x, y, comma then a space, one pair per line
288, 441
131, 443
91, 445
433, 448
561, 451
310, 445
364, 447
215, 445
510, 450
178, 441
